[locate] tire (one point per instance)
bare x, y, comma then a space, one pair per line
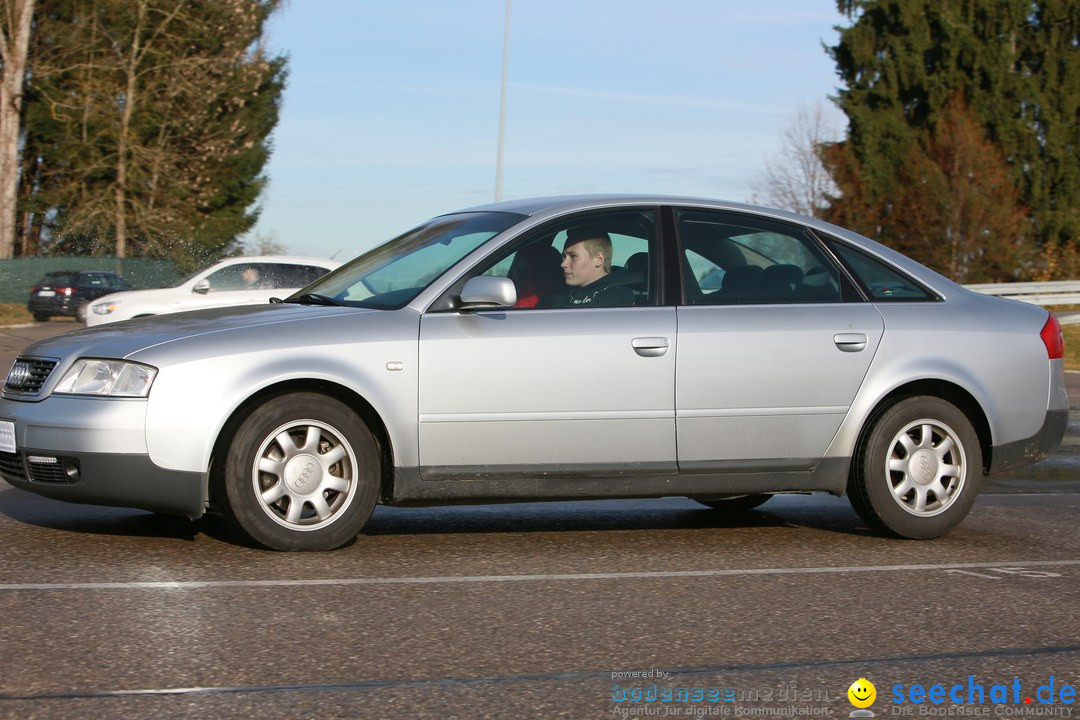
917, 471
41, 317
737, 503
301, 473
80, 312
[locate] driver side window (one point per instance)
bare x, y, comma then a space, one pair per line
227, 278
592, 260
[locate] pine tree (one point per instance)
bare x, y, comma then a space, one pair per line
1014, 64
155, 118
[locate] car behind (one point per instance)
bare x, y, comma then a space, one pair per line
233, 281
68, 292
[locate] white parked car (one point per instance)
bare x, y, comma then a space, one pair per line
234, 281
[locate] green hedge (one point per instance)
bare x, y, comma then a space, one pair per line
17, 276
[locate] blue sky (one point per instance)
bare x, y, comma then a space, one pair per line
391, 112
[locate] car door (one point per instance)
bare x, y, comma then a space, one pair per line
774, 343
540, 391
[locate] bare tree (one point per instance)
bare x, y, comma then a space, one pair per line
796, 179
264, 243
14, 42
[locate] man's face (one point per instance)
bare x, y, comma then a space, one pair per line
579, 268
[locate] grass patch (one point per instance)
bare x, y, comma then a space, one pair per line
1072, 346
14, 314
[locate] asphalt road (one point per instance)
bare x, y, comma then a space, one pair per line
553, 610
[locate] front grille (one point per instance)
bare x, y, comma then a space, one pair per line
28, 375
11, 466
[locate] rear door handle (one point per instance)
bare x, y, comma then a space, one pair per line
850, 342
650, 346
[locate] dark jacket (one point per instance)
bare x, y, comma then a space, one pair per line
598, 293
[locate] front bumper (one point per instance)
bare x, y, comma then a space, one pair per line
89, 450
102, 479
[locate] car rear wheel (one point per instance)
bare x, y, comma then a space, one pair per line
918, 470
302, 473
41, 317
737, 503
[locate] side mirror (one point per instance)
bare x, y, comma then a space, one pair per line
202, 287
487, 292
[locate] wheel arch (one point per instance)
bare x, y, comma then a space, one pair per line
945, 390
345, 395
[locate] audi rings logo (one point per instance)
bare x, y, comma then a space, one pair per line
926, 470
19, 375
305, 476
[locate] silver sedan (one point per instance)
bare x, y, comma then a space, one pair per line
584, 347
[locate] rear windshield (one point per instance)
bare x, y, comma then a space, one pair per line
56, 279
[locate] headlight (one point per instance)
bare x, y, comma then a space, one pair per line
115, 378
104, 308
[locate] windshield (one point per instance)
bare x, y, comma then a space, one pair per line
391, 275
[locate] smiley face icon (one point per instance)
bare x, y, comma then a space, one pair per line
862, 693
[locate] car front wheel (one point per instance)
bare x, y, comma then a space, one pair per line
302, 473
918, 470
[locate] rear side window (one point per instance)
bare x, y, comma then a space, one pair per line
882, 282
729, 259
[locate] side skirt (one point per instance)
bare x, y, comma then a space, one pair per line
467, 486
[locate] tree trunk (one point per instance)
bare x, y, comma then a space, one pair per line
14, 43
125, 130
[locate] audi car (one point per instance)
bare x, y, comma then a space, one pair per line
555, 348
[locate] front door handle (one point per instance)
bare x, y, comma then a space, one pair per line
850, 342
650, 346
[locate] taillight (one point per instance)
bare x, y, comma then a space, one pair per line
1052, 338
66, 291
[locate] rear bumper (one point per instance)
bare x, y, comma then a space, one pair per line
1031, 450
60, 305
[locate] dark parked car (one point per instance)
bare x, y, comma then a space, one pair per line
67, 292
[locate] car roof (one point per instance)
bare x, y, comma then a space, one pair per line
562, 203
80, 272
285, 259
558, 204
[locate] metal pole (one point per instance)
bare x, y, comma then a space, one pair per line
502, 107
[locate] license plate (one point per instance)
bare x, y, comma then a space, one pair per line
7, 436
46, 293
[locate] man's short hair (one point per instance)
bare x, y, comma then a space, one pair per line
596, 241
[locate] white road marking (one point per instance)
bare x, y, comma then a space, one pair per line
568, 577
